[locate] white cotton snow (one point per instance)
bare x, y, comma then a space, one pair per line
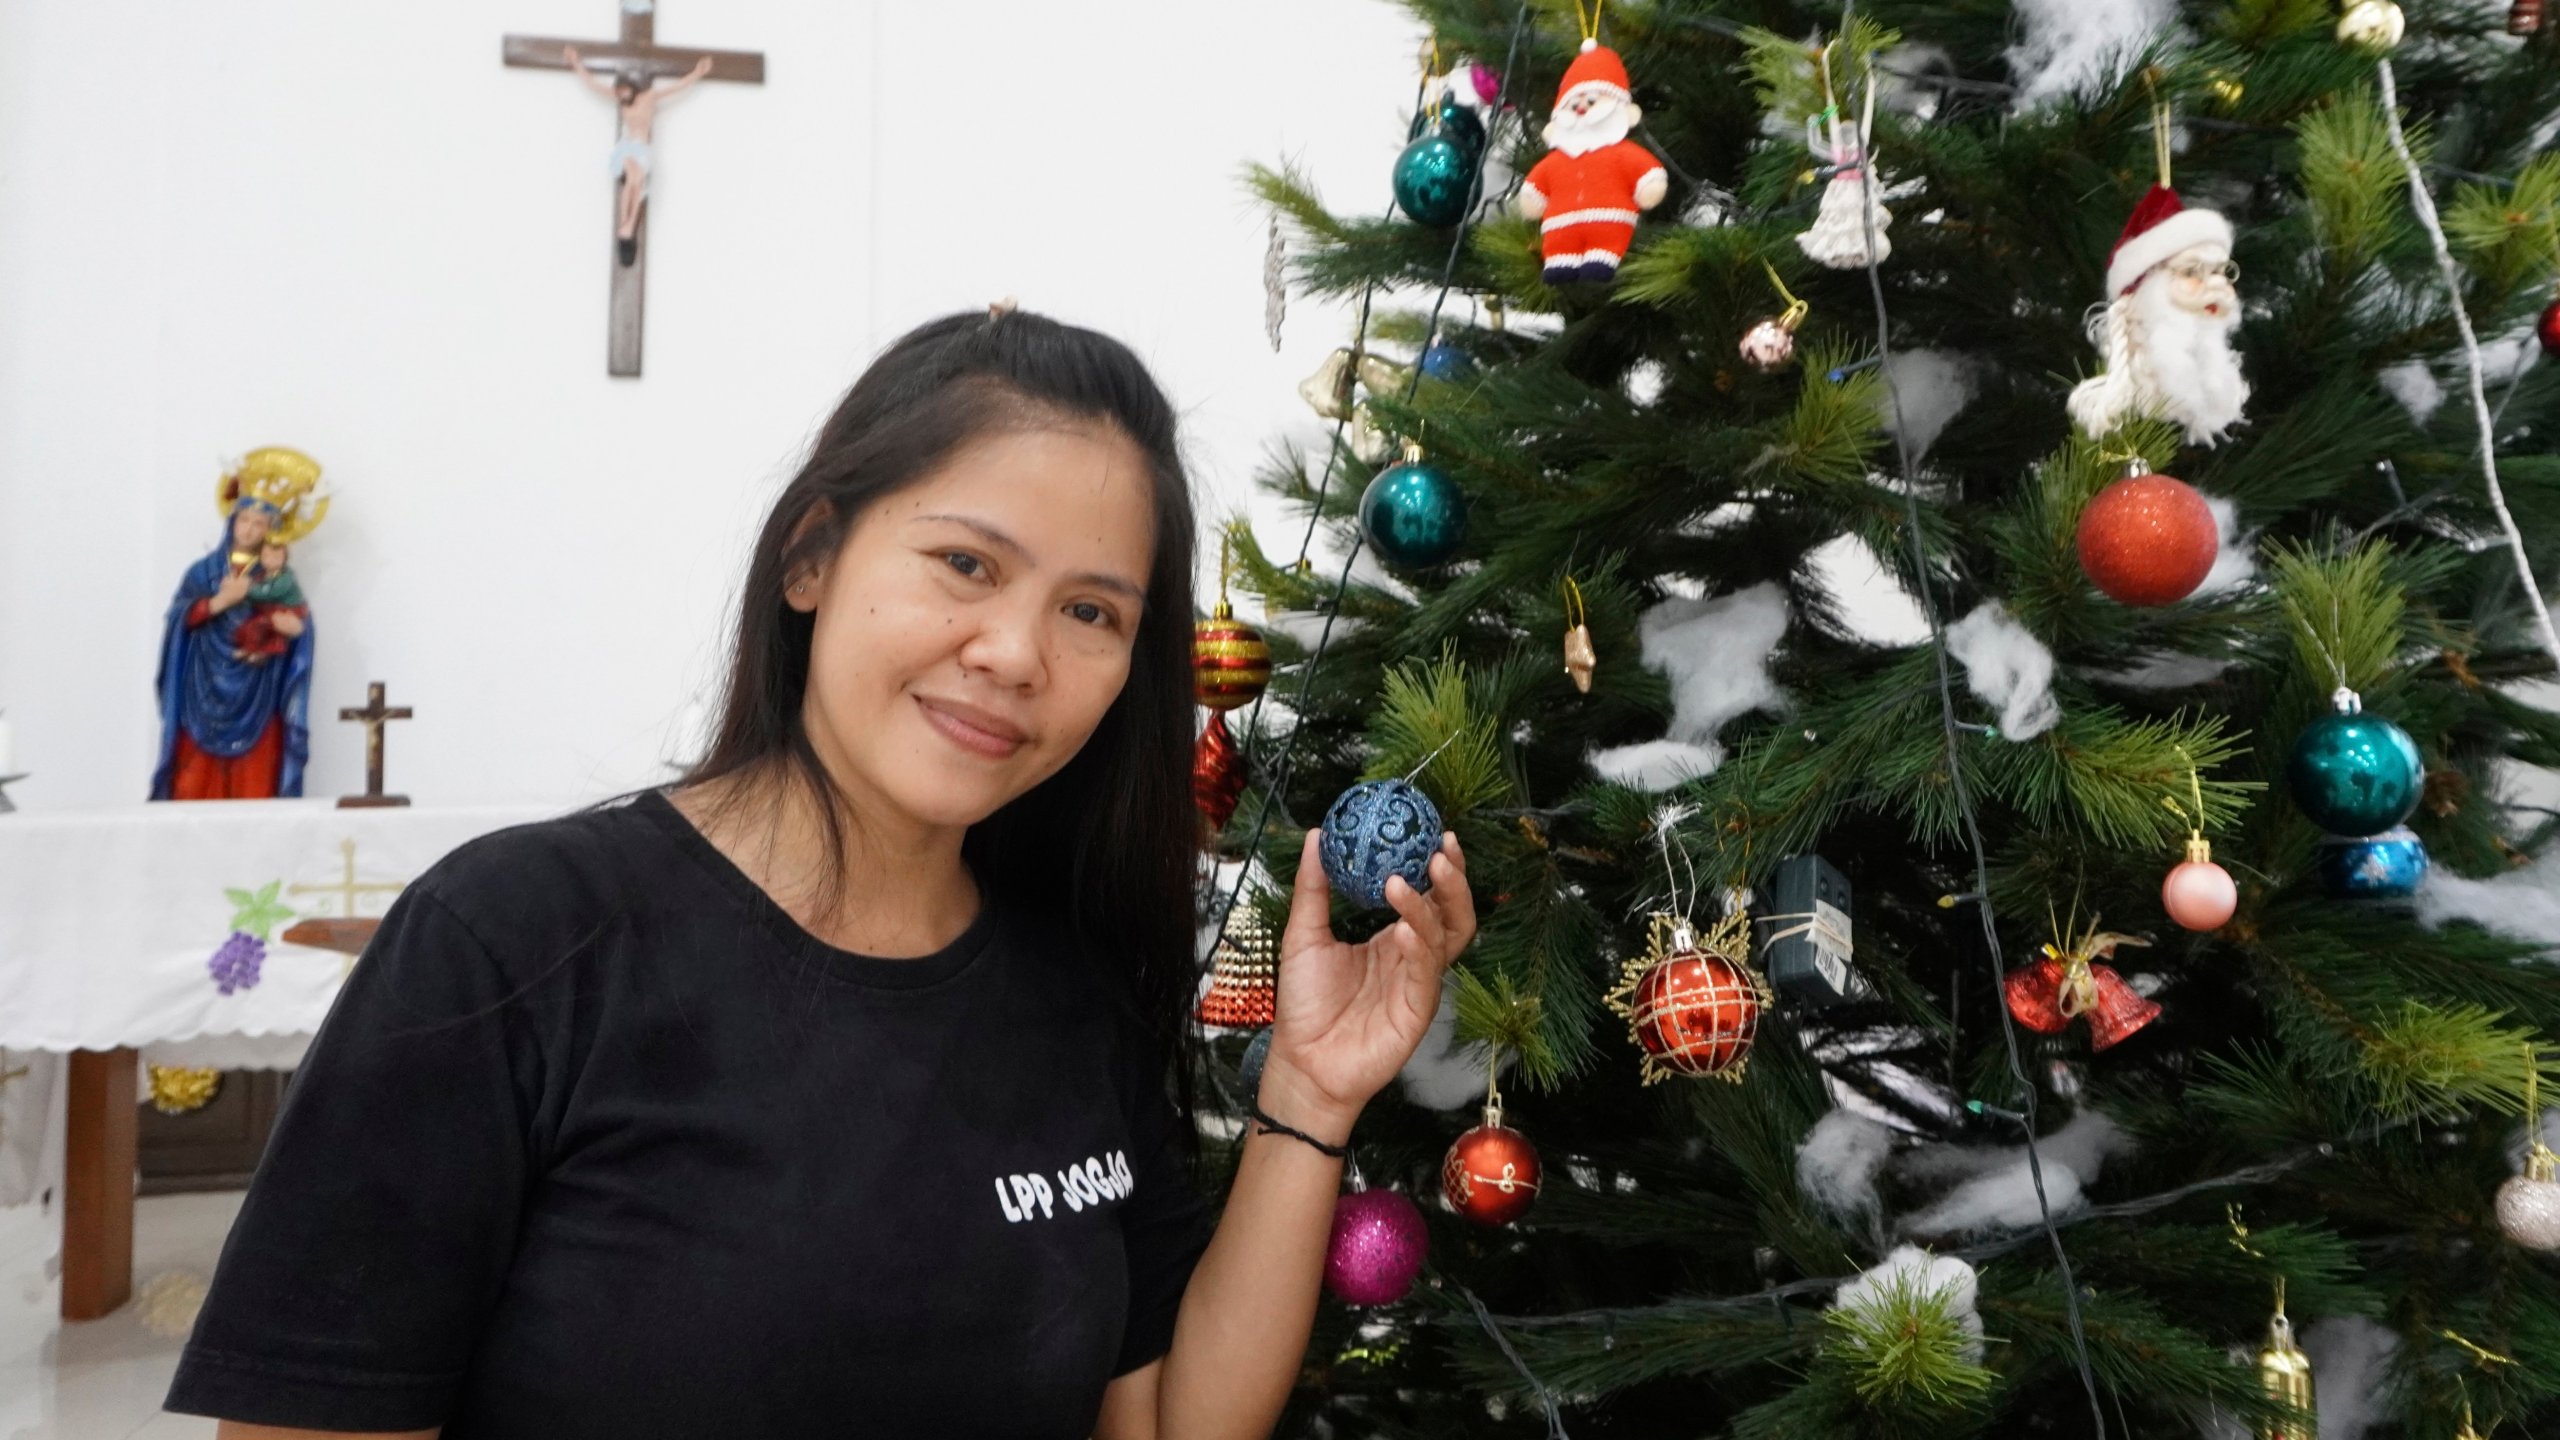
1999, 1193
1934, 386
1715, 652
2235, 559
2416, 388
1928, 1274
2349, 1355
1838, 1162
2007, 667
1444, 1074
2521, 904
2070, 47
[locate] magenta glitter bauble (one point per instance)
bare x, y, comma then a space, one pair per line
1377, 1248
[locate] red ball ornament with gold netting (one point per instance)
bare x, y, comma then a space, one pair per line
1692, 1002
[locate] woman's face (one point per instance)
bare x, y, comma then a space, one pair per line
975, 626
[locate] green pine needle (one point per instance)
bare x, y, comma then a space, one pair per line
1908, 1346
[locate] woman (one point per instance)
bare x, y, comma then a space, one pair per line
828, 1095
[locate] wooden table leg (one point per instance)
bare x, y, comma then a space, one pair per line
97, 1188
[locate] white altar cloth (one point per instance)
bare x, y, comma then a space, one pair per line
109, 919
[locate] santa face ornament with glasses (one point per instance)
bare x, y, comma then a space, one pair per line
2164, 335
1593, 181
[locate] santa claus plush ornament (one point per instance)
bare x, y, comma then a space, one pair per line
1592, 183
2164, 335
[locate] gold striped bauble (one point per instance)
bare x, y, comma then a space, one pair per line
1230, 661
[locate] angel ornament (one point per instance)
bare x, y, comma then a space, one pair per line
1852, 207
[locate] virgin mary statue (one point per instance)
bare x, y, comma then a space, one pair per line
235, 652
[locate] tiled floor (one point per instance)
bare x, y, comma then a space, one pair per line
103, 1379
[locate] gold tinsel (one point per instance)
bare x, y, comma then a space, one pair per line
178, 1089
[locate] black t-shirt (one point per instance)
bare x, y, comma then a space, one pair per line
597, 1141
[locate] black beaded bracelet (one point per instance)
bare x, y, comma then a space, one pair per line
1274, 1127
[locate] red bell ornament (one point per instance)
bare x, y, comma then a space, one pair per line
1693, 1003
2147, 539
2061, 986
1491, 1174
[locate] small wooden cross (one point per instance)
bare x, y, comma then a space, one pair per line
374, 715
638, 57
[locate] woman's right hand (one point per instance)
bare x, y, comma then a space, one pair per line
233, 589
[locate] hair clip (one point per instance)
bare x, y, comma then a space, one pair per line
1002, 308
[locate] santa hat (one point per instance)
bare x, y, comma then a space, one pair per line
1597, 65
2159, 229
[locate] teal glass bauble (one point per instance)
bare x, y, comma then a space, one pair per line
1432, 179
1455, 121
2354, 774
1413, 515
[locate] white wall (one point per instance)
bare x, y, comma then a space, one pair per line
349, 229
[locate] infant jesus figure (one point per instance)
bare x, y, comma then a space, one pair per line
277, 611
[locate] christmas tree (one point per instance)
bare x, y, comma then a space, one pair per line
2057, 997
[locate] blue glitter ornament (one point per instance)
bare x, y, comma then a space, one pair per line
1413, 515
1256, 1054
1432, 180
1376, 829
2374, 867
1453, 120
2354, 774
1446, 362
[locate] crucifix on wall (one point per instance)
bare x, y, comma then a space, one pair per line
638, 75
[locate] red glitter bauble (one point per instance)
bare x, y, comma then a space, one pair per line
1491, 1173
2547, 330
1697, 1013
1230, 661
2523, 18
2148, 540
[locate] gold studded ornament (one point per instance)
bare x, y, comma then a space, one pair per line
2373, 26
179, 1089
2284, 1373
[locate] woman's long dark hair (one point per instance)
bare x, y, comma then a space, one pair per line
1105, 846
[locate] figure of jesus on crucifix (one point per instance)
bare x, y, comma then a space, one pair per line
636, 98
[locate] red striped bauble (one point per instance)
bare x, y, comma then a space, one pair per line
1230, 661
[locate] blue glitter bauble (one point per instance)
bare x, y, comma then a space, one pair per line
2354, 774
2375, 867
1256, 1053
1432, 179
1376, 829
1413, 515
1446, 362
1456, 121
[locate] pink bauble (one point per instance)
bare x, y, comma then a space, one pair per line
1377, 1248
2199, 895
1488, 85
1768, 347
